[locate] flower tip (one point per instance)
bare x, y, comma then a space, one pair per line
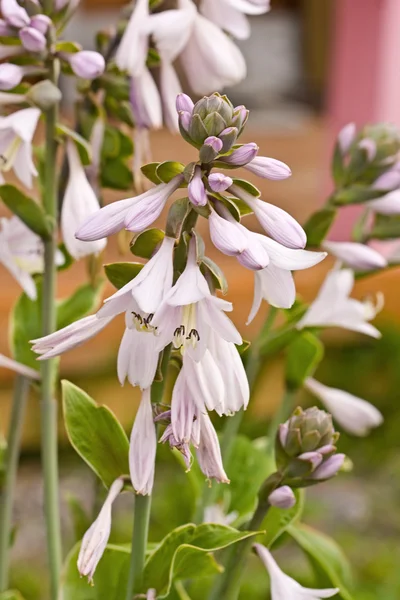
184, 103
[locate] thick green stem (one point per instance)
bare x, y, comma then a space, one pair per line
49, 367
141, 518
21, 389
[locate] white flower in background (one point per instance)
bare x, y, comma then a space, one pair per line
334, 308
189, 312
143, 447
79, 203
389, 204
21, 253
19, 368
95, 540
132, 51
209, 452
275, 283
16, 133
210, 59
346, 137
355, 415
356, 256
284, 587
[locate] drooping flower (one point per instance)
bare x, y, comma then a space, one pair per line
79, 203
196, 189
87, 64
268, 168
356, 256
282, 497
284, 587
209, 452
95, 540
143, 447
14, 14
134, 214
16, 133
10, 76
355, 415
131, 54
334, 308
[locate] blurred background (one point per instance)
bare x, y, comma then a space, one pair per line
313, 66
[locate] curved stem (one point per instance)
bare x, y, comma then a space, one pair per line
21, 389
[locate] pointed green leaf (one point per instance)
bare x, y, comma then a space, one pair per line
168, 170
119, 274
25, 325
243, 208
247, 187
386, 227
144, 244
116, 174
29, 211
303, 356
95, 433
318, 226
82, 145
326, 555
217, 274
176, 216
68, 47
150, 171
356, 194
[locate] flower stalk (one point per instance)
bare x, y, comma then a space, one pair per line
21, 389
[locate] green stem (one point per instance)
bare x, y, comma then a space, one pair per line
21, 389
139, 543
49, 367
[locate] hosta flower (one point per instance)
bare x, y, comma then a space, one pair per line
356, 256
21, 253
230, 14
79, 203
14, 14
134, 214
268, 168
284, 587
355, 415
131, 54
282, 497
16, 133
333, 306
346, 137
87, 64
143, 447
10, 76
95, 540
32, 39
389, 204
208, 451
196, 189
189, 312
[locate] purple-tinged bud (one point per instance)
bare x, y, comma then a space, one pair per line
184, 120
228, 136
268, 168
313, 458
369, 146
210, 149
87, 64
329, 468
282, 497
328, 449
41, 23
32, 39
5, 29
14, 14
355, 255
184, 103
240, 116
283, 433
346, 137
196, 190
242, 155
219, 182
10, 76
388, 181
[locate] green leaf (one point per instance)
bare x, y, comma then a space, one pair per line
318, 226
278, 520
326, 555
241, 206
303, 356
115, 174
67, 46
11, 595
95, 433
218, 277
111, 143
80, 519
184, 554
145, 243
153, 58
386, 227
83, 301
247, 187
3, 455
82, 145
338, 167
176, 216
356, 194
168, 170
29, 211
150, 171
119, 109
119, 274
110, 579
25, 325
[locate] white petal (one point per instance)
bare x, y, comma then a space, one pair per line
277, 286
147, 107
356, 256
291, 259
209, 452
257, 298
226, 235
182, 410
108, 220
218, 321
148, 206
389, 204
205, 383
171, 30
132, 51
226, 17
251, 7
170, 88
143, 447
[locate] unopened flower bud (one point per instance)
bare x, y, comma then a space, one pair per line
196, 190
87, 64
329, 468
346, 137
10, 76
14, 14
32, 39
369, 146
388, 181
44, 94
184, 121
184, 103
240, 116
228, 137
282, 497
41, 23
242, 155
211, 116
387, 140
210, 149
269, 168
219, 182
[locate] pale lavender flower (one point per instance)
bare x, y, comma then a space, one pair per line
356, 256
209, 452
230, 14
269, 168
227, 235
334, 308
282, 497
19, 368
32, 39
143, 447
145, 101
329, 468
184, 102
79, 203
196, 189
5, 29
241, 156
389, 204
87, 64
16, 133
284, 587
10, 76
355, 415
14, 14
184, 120
388, 181
369, 146
95, 540
41, 23
346, 137
132, 51
219, 182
